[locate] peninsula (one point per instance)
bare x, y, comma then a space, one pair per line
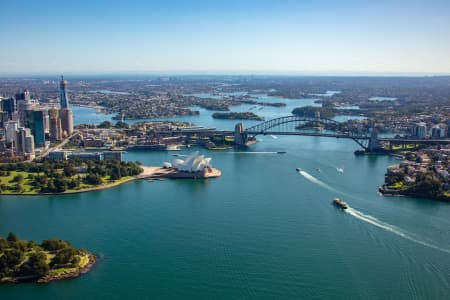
423, 174
237, 116
53, 259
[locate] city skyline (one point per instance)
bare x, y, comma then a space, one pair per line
287, 38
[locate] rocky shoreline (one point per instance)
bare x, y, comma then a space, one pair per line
69, 274
388, 192
72, 273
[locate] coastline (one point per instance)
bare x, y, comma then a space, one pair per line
148, 172
387, 192
64, 275
71, 274
90, 189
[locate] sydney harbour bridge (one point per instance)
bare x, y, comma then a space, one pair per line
307, 126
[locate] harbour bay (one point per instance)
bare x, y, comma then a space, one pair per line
262, 230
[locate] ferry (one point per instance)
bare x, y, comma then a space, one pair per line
219, 148
339, 203
173, 147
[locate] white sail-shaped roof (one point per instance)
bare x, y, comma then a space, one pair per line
193, 163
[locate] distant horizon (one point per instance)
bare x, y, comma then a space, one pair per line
225, 73
320, 37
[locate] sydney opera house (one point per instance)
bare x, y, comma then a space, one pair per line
194, 166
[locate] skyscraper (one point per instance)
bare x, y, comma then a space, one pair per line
66, 121
34, 119
64, 99
55, 125
65, 113
10, 106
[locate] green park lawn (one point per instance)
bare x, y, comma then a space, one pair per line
29, 189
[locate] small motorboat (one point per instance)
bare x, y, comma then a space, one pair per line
318, 170
298, 169
339, 203
281, 152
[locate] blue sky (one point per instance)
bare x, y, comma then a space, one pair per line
301, 37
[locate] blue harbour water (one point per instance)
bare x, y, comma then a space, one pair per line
261, 231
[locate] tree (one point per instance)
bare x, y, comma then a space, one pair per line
13, 257
3, 243
60, 185
310, 112
65, 256
54, 244
105, 124
18, 178
93, 179
35, 266
12, 237
121, 125
69, 171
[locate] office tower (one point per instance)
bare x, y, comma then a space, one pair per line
10, 106
11, 128
64, 99
420, 130
66, 121
55, 129
21, 140
3, 119
65, 113
25, 97
29, 146
34, 120
46, 123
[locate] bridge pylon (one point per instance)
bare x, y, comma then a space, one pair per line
240, 136
374, 143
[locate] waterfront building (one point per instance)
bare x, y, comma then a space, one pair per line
63, 98
438, 131
86, 155
193, 163
112, 155
59, 155
420, 130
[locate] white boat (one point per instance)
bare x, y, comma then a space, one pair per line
340, 170
173, 148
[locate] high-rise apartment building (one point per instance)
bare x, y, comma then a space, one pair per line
63, 98
55, 129
66, 121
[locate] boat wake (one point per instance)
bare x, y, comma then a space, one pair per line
372, 220
318, 182
391, 228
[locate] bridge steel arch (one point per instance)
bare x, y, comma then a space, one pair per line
288, 125
262, 127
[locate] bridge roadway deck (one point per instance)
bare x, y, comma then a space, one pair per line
332, 135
